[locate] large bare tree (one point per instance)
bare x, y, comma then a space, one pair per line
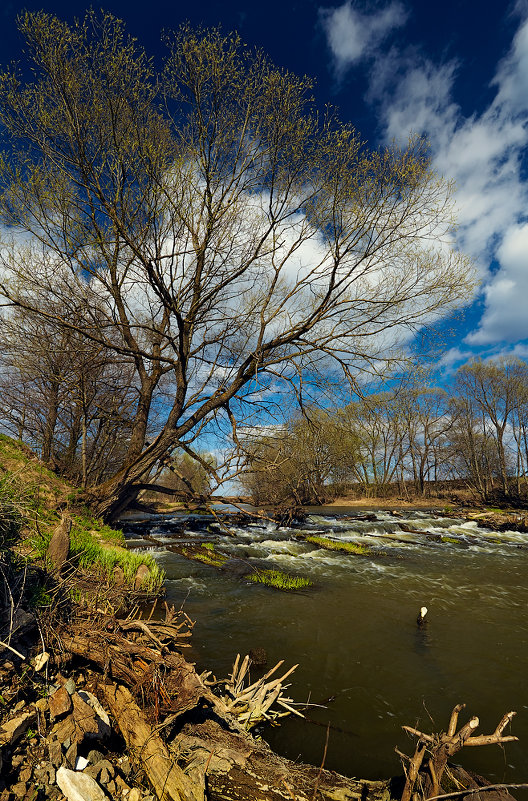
239, 244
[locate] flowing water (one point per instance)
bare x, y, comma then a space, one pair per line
354, 634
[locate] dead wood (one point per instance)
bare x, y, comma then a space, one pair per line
141, 654
168, 780
241, 768
440, 748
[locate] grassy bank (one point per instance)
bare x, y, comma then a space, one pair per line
30, 497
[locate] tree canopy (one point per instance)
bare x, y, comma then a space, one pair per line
206, 225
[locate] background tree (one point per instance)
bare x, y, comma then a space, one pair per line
207, 226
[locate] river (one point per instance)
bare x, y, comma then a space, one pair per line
354, 633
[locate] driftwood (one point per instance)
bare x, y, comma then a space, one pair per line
240, 768
140, 653
251, 704
439, 748
168, 780
207, 746
228, 761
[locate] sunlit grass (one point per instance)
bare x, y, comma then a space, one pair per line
279, 580
333, 545
206, 554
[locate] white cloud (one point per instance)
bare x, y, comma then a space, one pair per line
353, 36
482, 152
505, 317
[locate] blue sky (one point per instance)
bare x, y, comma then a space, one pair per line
457, 71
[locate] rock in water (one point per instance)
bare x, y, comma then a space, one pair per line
79, 786
59, 546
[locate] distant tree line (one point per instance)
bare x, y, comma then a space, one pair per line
404, 441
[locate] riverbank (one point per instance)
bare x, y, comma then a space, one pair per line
91, 646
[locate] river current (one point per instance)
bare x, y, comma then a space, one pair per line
354, 633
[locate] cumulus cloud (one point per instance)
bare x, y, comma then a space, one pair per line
482, 152
353, 35
505, 317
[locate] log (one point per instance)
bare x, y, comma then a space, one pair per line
168, 780
168, 681
241, 768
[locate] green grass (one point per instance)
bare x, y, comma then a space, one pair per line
279, 580
14, 503
332, 545
205, 554
99, 548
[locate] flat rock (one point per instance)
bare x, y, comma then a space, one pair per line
13, 729
79, 786
103, 721
80, 723
41, 661
60, 703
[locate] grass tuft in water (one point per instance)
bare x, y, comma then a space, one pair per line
279, 580
332, 545
206, 554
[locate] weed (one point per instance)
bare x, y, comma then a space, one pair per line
279, 580
333, 545
210, 557
450, 539
40, 597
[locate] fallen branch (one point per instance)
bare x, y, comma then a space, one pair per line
168, 780
440, 747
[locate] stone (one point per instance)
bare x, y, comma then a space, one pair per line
45, 775
142, 574
19, 789
59, 546
71, 755
81, 763
106, 771
122, 786
55, 754
41, 661
81, 723
103, 721
69, 686
25, 774
60, 703
134, 794
42, 705
95, 756
13, 729
112, 788
119, 576
20, 706
125, 767
79, 786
